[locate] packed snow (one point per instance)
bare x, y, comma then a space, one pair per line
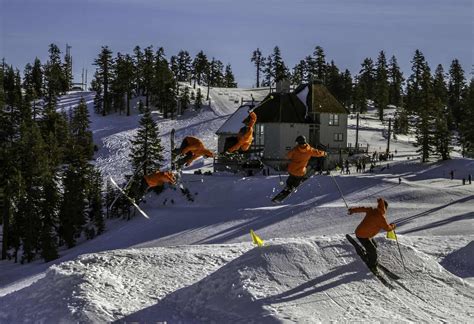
193, 262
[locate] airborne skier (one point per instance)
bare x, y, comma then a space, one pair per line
159, 178
191, 149
245, 136
372, 223
299, 157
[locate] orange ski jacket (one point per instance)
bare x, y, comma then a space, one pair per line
299, 157
160, 178
373, 221
197, 148
245, 140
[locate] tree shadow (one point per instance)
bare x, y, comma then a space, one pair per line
172, 308
440, 223
409, 219
346, 273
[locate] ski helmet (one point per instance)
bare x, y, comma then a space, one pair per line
300, 140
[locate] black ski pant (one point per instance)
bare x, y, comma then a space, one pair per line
371, 249
293, 181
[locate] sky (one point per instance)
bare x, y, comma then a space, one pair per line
348, 30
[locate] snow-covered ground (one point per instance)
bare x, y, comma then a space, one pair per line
193, 262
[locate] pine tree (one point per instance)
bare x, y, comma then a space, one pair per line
279, 69
425, 125
320, 64
54, 77
96, 86
95, 211
122, 85
183, 61
334, 81
381, 93
163, 88
413, 97
455, 87
467, 123
359, 96
81, 145
49, 217
210, 76
147, 151
259, 62
184, 99
401, 124
395, 83
37, 78
198, 99
268, 72
9, 170
138, 70
104, 63
199, 67
367, 78
299, 73
148, 73
72, 214
346, 91
33, 165
440, 91
229, 80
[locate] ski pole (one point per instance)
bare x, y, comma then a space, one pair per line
400, 251
340, 191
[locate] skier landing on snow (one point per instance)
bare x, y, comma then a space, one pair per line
372, 223
191, 149
299, 157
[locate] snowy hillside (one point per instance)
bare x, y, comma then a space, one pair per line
193, 262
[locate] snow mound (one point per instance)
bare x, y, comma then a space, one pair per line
93, 288
318, 280
461, 262
314, 279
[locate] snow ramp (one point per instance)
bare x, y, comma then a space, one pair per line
319, 280
304, 280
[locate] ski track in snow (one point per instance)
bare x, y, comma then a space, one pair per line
176, 268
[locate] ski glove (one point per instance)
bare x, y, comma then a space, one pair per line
393, 226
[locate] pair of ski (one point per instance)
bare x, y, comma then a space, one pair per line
287, 191
363, 255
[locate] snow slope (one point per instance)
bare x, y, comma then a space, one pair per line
192, 262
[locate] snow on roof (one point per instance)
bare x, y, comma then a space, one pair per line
235, 122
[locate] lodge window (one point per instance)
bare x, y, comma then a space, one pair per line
338, 137
333, 120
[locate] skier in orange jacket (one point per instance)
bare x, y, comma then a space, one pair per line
373, 222
299, 156
159, 178
192, 148
245, 136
